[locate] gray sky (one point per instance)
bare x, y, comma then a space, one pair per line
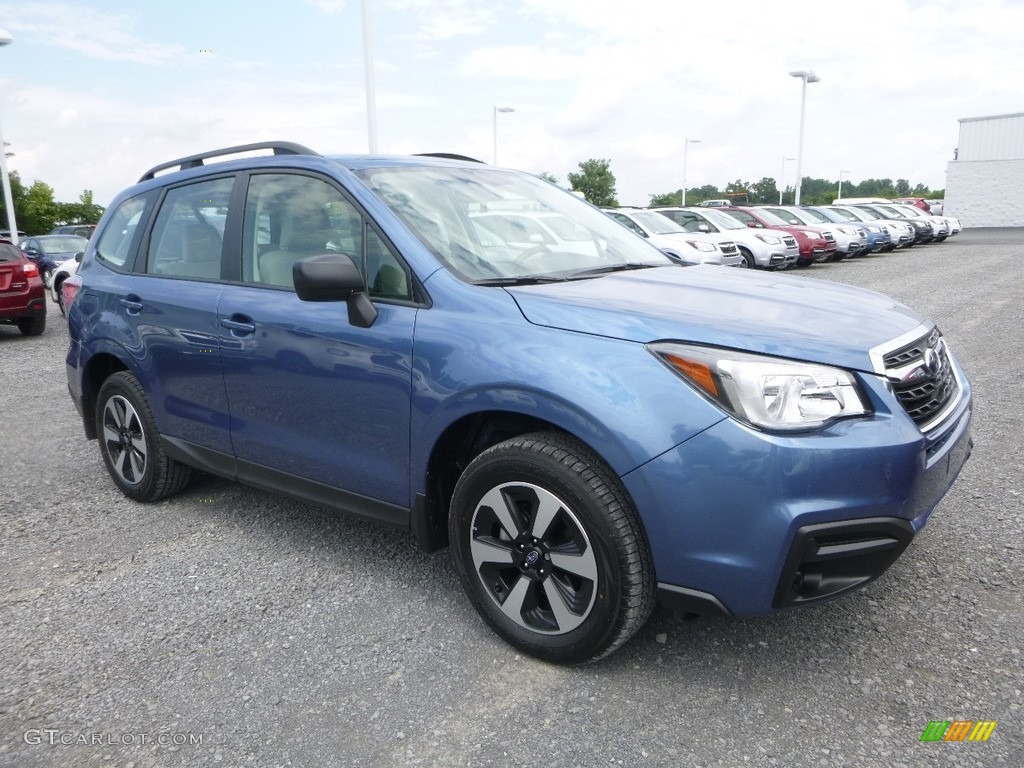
94, 93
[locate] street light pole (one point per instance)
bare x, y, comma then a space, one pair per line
782, 176
498, 109
6, 39
840, 195
371, 95
808, 77
686, 146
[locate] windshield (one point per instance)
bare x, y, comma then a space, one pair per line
812, 215
63, 244
772, 220
722, 220
842, 213
657, 223
790, 217
491, 225
864, 214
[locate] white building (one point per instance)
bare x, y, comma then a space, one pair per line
985, 183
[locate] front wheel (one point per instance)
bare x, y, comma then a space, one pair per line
549, 549
748, 257
130, 442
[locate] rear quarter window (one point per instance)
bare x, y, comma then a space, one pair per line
120, 235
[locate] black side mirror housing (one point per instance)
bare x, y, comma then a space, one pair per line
334, 277
79, 255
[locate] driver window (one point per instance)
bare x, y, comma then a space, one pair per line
291, 216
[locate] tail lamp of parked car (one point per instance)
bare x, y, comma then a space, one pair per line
69, 289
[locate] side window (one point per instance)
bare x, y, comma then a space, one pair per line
188, 234
743, 217
291, 216
115, 243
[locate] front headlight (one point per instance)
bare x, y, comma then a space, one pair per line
701, 246
770, 239
766, 392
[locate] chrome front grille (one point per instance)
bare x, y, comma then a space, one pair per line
789, 240
728, 248
922, 377
829, 237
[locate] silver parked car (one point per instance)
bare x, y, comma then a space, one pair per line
685, 247
760, 248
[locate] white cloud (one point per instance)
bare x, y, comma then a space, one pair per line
91, 32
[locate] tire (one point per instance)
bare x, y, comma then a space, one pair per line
549, 549
60, 298
749, 258
130, 443
47, 275
32, 326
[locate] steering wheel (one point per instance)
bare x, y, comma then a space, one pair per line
533, 252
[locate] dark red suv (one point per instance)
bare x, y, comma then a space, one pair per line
22, 293
815, 243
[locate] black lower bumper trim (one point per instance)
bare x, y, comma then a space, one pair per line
690, 601
829, 559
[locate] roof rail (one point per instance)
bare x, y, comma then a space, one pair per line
449, 156
196, 161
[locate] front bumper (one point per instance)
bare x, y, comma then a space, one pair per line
743, 522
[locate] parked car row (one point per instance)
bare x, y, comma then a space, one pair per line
779, 237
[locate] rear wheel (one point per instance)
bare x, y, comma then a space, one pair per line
130, 443
549, 549
32, 326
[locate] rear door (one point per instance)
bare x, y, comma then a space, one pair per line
167, 310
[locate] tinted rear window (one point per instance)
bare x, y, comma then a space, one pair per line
9, 253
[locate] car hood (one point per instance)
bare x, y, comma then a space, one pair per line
793, 317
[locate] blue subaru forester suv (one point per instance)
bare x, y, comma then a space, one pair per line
586, 424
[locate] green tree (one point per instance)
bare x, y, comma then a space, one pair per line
38, 211
763, 192
548, 177
595, 181
668, 198
17, 195
85, 211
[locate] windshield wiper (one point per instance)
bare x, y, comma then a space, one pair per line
629, 265
522, 280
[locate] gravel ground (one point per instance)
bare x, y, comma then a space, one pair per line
232, 627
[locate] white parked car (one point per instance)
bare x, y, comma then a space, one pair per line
61, 272
760, 248
943, 224
685, 247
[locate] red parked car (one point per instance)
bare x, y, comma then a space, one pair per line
22, 293
917, 202
815, 243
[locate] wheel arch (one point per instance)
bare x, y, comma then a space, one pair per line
98, 369
457, 445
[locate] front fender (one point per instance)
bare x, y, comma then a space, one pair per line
612, 394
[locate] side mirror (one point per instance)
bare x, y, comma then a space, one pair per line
79, 255
703, 228
334, 277
31, 252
